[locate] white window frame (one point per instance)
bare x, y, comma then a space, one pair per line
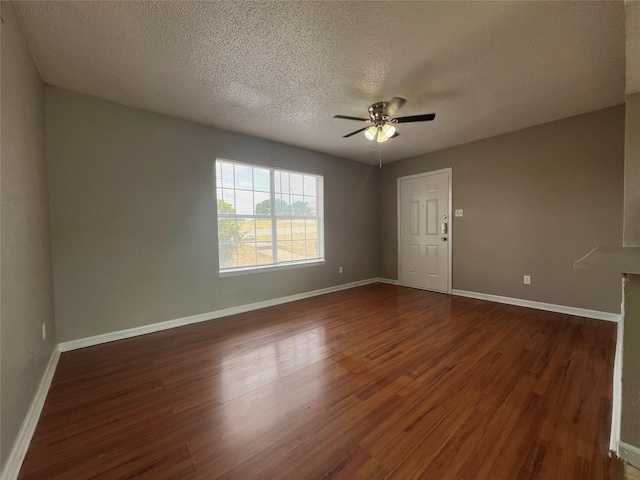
233, 271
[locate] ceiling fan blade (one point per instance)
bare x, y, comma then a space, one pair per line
353, 133
394, 105
415, 118
347, 117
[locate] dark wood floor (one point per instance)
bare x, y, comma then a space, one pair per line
374, 382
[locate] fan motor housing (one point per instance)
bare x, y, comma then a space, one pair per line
378, 113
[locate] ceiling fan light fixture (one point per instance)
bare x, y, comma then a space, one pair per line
389, 130
381, 124
370, 132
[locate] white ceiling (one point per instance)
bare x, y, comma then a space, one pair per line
281, 70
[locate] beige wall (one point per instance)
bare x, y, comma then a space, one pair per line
632, 45
630, 424
534, 202
630, 415
27, 291
133, 217
632, 172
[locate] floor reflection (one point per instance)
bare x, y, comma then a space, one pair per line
272, 380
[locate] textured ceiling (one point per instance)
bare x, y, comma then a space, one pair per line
281, 70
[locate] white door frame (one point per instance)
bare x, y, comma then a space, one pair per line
448, 170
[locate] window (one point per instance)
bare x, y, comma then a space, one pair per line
267, 217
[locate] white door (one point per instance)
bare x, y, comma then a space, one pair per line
424, 229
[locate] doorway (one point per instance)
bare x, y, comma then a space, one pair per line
424, 230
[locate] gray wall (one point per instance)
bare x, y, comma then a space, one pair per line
27, 290
630, 415
133, 217
534, 202
632, 172
630, 412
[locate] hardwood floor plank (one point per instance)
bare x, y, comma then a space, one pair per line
373, 382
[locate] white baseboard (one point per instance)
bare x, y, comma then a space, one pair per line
550, 307
202, 317
21, 444
178, 322
629, 453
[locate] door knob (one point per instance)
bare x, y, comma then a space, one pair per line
444, 239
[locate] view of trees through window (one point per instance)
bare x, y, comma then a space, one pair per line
267, 216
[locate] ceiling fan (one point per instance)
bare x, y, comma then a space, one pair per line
381, 124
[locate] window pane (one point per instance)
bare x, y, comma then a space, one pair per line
277, 182
226, 178
264, 231
229, 234
312, 206
244, 202
297, 229
284, 241
247, 239
312, 248
223, 207
265, 253
261, 180
310, 185
298, 207
244, 177
247, 228
262, 203
284, 251
284, 182
284, 230
229, 201
311, 229
297, 247
228, 230
296, 183
227, 255
283, 205
246, 255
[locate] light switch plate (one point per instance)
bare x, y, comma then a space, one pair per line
459, 212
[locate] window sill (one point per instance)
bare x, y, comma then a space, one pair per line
232, 272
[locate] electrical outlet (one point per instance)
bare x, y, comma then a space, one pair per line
459, 212
527, 279
44, 331
339, 269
